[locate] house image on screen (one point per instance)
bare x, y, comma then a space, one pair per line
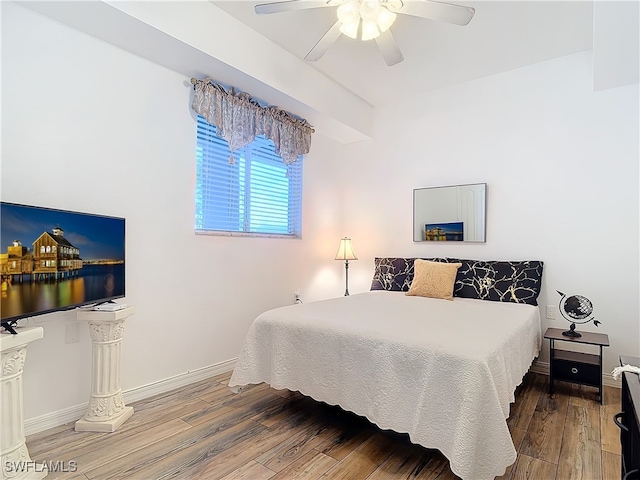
54, 257
17, 261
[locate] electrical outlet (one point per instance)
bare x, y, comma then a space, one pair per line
551, 312
296, 297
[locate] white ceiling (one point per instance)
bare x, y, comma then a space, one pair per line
502, 35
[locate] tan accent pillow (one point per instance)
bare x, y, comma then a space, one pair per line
433, 279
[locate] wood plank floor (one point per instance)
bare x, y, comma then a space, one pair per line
203, 431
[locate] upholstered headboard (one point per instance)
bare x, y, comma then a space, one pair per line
498, 281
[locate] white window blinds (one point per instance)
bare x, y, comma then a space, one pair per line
253, 194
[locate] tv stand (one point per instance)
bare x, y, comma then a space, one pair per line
106, 410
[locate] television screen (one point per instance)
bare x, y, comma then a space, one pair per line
56, 260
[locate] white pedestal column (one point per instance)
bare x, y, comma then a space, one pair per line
106, 411
16, 462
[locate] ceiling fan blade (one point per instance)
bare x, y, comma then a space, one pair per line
324, 43
389, 48
290, 5
447, 12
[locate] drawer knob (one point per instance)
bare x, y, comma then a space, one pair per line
574, 370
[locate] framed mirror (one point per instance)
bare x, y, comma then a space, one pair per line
453, 213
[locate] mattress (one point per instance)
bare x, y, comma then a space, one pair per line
444, 372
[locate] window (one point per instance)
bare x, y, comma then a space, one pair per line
255, 194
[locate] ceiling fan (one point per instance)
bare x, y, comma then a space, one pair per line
373, 18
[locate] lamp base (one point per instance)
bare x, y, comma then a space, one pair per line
346, 278
572, 332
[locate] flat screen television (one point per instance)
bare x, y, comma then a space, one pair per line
53, 260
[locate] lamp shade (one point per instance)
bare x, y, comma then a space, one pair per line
345, 252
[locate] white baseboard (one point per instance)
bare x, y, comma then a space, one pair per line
72, 414
543, 368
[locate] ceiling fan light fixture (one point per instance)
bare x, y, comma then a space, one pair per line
369, 30
370, 9
375, 16
349, 12
385, 19
350, 29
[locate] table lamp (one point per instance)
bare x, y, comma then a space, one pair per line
345, 252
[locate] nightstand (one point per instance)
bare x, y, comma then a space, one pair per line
576, 367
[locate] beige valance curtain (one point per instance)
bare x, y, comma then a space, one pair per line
238, 119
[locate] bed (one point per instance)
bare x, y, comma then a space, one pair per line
443, 371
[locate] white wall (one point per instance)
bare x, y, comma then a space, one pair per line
561, 166
89, 127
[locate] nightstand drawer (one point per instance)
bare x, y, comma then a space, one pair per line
583, 373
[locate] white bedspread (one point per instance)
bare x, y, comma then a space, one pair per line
442, 371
